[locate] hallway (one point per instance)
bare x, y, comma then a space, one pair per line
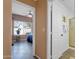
22, 50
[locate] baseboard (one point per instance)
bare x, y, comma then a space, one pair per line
36, 57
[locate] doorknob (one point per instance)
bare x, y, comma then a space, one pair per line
61, 34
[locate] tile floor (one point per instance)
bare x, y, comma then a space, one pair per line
69, 54
22, 50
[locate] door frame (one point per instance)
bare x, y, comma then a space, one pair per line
49, 4
34, 28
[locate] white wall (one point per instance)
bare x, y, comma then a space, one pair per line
59, 43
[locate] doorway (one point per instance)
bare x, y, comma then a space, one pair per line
23, 31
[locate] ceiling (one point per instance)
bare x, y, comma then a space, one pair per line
70, 4
21, 8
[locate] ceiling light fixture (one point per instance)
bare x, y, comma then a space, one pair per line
30, 14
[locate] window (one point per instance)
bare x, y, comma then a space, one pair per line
25, 27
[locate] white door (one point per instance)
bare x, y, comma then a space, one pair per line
59, 30
57, 39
